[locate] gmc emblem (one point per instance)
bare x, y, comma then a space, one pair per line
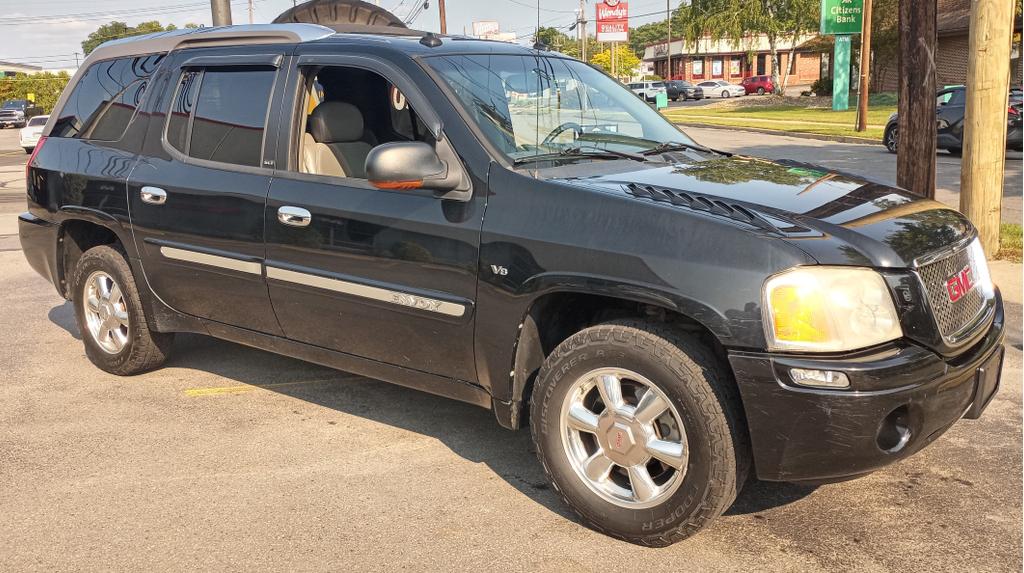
959, 284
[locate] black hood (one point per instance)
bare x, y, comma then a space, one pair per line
835, 217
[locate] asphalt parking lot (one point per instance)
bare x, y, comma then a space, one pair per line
235, 459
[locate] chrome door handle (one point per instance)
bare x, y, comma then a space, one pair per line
153, 195
294, 216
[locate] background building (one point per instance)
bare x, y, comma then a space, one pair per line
722, 59
9, 69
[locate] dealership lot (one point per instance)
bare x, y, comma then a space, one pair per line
233, 458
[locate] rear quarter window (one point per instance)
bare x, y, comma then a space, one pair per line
105, 99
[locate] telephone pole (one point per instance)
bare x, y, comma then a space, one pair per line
221, 11
668, 47
582, 25
915, 160
444, 21
865, 69
988, 79
251, 10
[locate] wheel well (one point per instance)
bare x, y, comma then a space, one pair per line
555, 317
75, 238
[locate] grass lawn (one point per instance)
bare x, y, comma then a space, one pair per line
787, 118
1010, 242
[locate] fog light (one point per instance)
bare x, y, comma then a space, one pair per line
819, 378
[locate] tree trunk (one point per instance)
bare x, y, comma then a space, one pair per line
915, 162
773, 54
789, 66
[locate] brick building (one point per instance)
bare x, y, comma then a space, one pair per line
722, 59
953, 25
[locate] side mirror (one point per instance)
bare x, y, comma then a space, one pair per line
413, 165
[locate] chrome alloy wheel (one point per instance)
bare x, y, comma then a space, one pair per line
623, 438
106, 313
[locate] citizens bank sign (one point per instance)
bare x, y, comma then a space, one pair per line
612, 21
840, 17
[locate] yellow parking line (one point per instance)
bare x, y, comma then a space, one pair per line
241, 389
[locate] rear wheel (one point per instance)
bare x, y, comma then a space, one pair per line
28, 150
109, 312
639, 429
725, 93
760, 91
891, 139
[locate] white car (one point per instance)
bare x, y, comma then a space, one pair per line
721, 88
647, 90
31, 132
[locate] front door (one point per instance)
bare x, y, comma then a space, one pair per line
198, 193
388, 275
949, 110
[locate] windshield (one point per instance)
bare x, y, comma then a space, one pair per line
14, 104
532, 105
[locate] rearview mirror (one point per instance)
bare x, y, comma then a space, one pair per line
409, 165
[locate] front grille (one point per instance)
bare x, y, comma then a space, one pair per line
953, 317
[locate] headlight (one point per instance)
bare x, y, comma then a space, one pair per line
828, 309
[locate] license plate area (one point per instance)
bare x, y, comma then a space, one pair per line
986, 383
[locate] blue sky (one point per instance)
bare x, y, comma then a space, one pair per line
48, 32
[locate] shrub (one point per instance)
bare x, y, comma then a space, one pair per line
822, 87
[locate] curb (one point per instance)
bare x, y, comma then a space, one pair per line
799, 134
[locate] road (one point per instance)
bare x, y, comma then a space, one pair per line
235, 459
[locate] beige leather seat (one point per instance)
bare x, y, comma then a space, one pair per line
319, 159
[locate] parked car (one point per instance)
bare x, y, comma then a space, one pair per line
383, 208
721, 88
17, 112
647, 90
29, 134
679, 89
758, 84
950, 109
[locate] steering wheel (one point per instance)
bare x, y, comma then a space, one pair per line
564, 127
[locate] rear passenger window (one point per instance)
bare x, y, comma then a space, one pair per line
104, 100
220, 115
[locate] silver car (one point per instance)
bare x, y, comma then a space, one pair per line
647, 90
721, 88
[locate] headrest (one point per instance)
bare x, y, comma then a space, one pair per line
336, 122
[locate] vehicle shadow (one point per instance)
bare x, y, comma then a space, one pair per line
63, 315
466, 430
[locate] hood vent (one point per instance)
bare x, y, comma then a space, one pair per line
704, 203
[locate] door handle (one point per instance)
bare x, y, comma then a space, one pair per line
153, 195
294, 216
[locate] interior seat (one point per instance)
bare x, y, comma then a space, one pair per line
338, 145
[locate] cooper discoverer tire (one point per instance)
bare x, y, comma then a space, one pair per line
109, 313
702, 400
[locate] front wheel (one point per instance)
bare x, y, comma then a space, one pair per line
725, 93
760, 91
891, 139
639, 429
109, 312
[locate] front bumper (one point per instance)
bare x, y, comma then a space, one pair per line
901, 398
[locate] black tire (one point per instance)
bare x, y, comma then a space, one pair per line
28, 150
699, 387
891, 138
760, 91
955, 151
725, 93
144, 349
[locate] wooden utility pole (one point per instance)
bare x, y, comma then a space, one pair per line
988, 82
444, 22
252, 10
865, 69
220, 10
915, 161
668, 46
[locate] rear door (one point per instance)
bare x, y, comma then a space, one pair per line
198, 193
949, 109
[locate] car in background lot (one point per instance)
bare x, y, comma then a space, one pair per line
29, 136
683, 90
16, 112
950, 107
759, 85
647, 90
721, 88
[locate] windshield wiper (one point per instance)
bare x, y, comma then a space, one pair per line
675, 146
579, 153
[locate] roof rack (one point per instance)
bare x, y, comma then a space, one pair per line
243, 34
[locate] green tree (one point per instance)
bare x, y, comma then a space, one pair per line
45, 87
116, 30
626, 62
559, 42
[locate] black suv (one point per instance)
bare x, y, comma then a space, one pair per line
951, 105
515, 229
679, 89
